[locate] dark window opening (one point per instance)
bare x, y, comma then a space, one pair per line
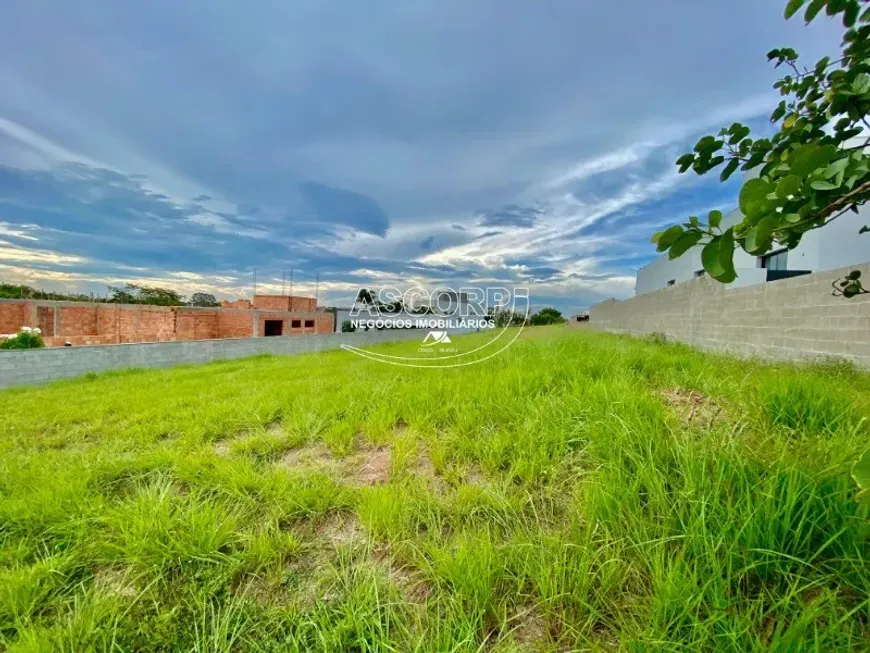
295, 324
274, 327
700, 273
309, 324
672, 282
776, 260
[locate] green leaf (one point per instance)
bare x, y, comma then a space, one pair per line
806, 159
861, 83
792, 7
822, 185
836, 167
729, 169
812, 11
789, 185
685, 162
710, 258
685, 243
708, 143
792, 217
717, 257
738, 133
854, 275
864, 230
758, 238
726, 257
753, 196
669, 236
850, 14
714, 218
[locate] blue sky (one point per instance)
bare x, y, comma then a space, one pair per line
381, 142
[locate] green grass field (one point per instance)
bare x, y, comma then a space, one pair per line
579, 492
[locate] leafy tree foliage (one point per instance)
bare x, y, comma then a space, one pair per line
546, 316
812, 170
505, 317
134, 294
20, 291
203, 299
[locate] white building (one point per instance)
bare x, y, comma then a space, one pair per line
834, 246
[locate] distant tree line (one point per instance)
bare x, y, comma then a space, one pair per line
127, 294
545, 316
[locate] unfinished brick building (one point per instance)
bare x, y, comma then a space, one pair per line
82, 323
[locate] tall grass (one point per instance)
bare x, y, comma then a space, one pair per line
563, 496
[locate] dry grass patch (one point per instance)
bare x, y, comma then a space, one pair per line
114, 581
368, 465
692, 407
312, 455
339, 528
410, 581
272, 435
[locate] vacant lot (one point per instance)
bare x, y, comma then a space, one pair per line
580, 491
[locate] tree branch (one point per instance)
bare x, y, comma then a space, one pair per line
845, 201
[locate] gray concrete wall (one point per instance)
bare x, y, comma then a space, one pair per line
795, 318
33, 366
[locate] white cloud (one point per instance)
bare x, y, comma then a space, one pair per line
10, 252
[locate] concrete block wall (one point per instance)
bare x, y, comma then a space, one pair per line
35, 366
796, 318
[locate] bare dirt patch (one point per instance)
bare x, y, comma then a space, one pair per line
529, 630
340, 529
370, 465
692, 407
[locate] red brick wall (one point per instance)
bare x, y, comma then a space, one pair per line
13, 317
115, 323
107, 323
78, 320
303, 304
271, 302
45, 320
59, 341
284, 303
325, 323
239, 303
235, 324
196, 325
